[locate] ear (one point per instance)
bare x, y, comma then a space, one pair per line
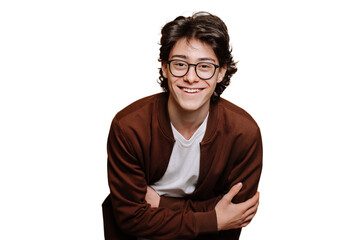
222, 72
164, 67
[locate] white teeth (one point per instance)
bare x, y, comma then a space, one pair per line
190, 90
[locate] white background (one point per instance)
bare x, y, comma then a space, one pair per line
67, 67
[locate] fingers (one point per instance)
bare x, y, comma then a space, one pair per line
244, 224
249, 214
248, 219
152, 197
150, 190
250, 207
233, 191
252, 201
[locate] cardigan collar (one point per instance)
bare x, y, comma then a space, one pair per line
164, 118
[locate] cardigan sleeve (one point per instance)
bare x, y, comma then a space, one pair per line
248, 164
132, 214
188, 204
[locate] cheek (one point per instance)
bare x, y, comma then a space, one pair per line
170, 84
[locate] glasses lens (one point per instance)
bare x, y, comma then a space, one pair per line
205, 70
178, 68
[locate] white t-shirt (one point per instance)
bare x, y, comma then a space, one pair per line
182, 172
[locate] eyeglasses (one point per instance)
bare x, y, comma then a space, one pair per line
204, 70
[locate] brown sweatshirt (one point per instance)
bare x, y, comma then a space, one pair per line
139, 148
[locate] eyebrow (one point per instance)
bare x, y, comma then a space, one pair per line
179, 56
207, 59
199, 59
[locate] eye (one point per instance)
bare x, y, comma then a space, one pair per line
179, 64
205, 66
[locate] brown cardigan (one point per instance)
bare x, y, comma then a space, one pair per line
139, 148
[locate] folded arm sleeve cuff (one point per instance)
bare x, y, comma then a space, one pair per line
206, 222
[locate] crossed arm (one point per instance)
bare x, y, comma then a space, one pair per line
228, 214
178, 218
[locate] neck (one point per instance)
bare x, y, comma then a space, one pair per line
187, 122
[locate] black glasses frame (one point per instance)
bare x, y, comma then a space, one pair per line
195, 66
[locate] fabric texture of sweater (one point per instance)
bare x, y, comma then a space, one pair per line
139, 148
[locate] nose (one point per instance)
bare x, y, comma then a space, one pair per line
191, 75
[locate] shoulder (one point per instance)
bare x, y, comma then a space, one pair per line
141, 110
236, 119
140, 106
230, 108
137, 117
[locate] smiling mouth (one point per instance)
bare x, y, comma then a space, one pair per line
191, 90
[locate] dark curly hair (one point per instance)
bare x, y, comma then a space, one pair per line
207, 28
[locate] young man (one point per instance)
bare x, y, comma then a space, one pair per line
185, 163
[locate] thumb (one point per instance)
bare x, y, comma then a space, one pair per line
233, 191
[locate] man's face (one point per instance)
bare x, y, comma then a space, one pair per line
191, 93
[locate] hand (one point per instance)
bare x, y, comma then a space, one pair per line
233, 216
152, 197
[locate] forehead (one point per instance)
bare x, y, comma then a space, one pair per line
193, 50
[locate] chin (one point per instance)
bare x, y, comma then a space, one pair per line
191, 106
